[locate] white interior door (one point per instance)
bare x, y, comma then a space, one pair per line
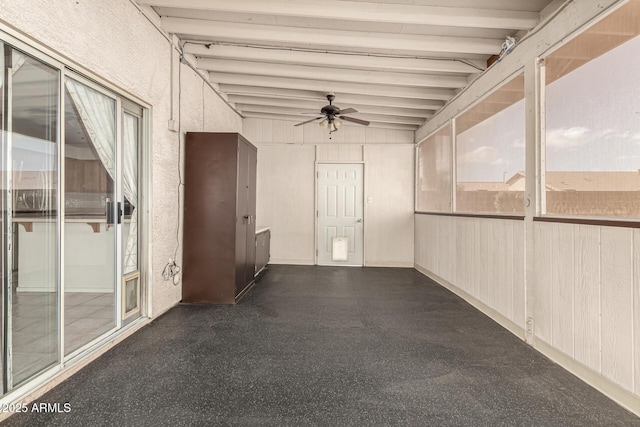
340, 214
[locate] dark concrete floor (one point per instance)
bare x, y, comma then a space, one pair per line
332, 347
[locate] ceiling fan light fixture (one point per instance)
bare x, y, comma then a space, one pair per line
328, 116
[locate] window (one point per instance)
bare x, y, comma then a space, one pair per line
434, 172
593, 120
490, 153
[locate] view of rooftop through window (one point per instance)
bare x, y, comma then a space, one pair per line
592, 140
490, 152
593, 120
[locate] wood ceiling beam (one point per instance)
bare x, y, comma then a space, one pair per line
406, 14
284, 56
338, 39
317, 105
327, 86
320, 96
336, 74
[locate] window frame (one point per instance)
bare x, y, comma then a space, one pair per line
541, 214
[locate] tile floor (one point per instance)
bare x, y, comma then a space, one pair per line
35, 327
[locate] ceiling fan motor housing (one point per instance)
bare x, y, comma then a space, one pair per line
330, 110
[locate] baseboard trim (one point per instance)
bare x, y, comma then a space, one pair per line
620, 395
613, 391
506, 323
292, 261
392, 264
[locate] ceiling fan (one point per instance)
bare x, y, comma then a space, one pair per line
332, 115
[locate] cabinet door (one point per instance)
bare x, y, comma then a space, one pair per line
242, 216
250, 264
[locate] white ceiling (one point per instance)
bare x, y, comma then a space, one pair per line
395, 61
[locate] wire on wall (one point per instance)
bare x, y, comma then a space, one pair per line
208, 45
172, 270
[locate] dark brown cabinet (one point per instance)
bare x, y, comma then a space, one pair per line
219, 217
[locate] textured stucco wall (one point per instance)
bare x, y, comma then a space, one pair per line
113, 40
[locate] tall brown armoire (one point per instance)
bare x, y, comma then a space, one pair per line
219, 217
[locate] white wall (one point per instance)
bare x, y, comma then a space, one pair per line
389, 194
286, 200
578, 301
114, 41
588, 296
483, 258
286, 187
584, 296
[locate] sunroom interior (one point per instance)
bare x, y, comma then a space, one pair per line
500, 158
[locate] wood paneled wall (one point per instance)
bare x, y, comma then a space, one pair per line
585, 293
482, 257
287, 157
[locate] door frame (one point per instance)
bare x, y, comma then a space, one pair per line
117, 190
316, 222
67, 67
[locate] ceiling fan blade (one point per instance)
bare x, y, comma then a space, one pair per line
358, 121
308, 113
309, 121
348, 111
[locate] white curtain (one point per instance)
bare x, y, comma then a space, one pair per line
98, 114
18, 61
130, 188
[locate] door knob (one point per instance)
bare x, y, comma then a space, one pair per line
359, 220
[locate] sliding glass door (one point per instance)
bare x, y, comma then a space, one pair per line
91, 220
30, 220
70, 214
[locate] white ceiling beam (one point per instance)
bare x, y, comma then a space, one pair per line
366, 12
372, 62
327, 86
317, 105
292, 111
335, 74
295, 120
343, 98
340, 39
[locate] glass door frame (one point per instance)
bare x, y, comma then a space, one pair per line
69, 74
6, 341
67, 68
140, 113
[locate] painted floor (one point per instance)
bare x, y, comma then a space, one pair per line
327, 346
